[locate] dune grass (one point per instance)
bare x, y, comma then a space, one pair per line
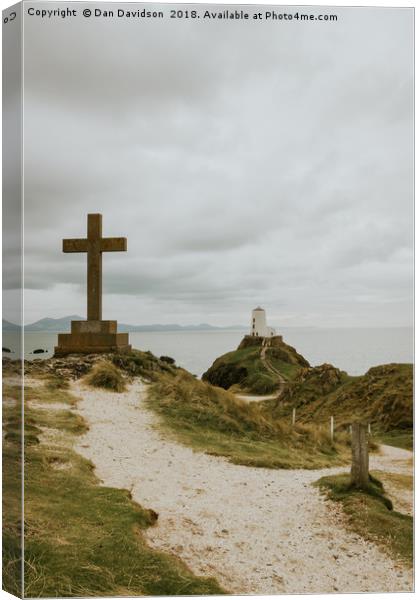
212, 420
81, 539
107, 376
382, 397
370, 515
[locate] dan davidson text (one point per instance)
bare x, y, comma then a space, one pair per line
192, 14
139, 14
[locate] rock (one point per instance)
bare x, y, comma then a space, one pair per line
153, 515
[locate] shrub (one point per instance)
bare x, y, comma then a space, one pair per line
167, 359
225, 375
106, 375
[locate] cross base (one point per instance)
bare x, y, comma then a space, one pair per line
91, 337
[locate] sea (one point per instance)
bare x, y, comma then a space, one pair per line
353, 350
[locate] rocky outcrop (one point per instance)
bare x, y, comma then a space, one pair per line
74, 366
287, 354
250, 340
326, 377
382, 397
69, 368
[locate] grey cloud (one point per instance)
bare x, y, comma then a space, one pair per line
245, 165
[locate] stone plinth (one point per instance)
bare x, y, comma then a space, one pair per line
88, 337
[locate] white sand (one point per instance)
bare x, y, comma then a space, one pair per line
249, 398
256, 530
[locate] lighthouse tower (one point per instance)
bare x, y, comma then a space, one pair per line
259, 324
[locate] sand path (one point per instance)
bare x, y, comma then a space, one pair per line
251, 398
256, 530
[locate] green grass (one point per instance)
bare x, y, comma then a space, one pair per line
107, 376
215, 421
81, 539
287, 370
398, 439
382, 397
369, 515
245, 368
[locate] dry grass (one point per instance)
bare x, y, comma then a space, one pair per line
211, 419
383, 397
107, 376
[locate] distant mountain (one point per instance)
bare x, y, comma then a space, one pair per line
123, 327
63, 325
7, 326
48, 324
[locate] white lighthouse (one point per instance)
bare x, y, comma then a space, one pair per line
259, 324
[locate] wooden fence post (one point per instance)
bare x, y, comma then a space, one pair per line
332, 428
359, 456
294, 416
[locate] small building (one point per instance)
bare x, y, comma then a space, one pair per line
259, 324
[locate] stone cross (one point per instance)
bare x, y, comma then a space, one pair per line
94, 245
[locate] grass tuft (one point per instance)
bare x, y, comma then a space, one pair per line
107, 376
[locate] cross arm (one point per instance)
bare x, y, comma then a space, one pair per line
75, 245
114, 244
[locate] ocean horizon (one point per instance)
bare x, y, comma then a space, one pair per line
353, 350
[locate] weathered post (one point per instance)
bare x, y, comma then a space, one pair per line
369, 431
294, 416
332, 428
360, 456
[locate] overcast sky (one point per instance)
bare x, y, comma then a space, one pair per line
246, 162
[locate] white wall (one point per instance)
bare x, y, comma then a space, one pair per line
258, 323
